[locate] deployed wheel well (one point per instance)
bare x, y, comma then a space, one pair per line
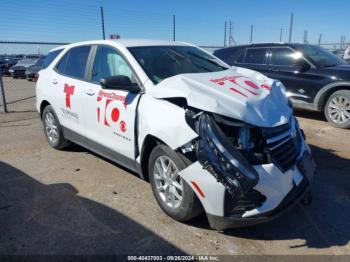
324, 97
149, 143
43, 105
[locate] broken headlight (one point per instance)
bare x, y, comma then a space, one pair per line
222, 159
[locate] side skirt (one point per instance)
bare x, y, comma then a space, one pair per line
105, 152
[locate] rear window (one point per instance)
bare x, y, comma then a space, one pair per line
73, 63
256, 56
50, 57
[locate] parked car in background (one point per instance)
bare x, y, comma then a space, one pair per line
18, 70
207, 136
31, 72
8, 62
315, 78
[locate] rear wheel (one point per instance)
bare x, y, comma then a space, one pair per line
173, 194
53, 129
337, 110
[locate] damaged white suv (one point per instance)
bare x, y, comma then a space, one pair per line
207, 136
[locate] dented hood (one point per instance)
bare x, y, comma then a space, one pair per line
239, 93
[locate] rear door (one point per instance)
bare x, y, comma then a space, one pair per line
109, 115
255, 58
66, 83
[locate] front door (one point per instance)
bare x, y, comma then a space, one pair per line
286, 66
109, 115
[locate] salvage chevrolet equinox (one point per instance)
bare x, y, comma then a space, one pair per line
208, 137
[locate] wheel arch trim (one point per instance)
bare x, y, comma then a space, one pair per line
323, 94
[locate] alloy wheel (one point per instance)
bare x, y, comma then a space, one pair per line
168, 182
339, 109
51, 127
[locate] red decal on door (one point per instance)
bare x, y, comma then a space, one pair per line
69, 90
122, 126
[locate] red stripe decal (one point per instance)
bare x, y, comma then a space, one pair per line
238, 92
250, 91
251, 84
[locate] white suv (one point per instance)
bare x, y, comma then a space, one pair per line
207, 136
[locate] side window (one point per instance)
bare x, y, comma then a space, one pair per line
282, 57
74, 62
256, 56
50, 57
107, 63
240, 58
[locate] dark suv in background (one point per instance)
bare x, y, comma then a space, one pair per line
315, 78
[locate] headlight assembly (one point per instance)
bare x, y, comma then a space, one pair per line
217, 154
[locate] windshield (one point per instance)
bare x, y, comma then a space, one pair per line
320, 56
161, 62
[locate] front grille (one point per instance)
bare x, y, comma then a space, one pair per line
283, 144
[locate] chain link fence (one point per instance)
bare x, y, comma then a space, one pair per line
19, 63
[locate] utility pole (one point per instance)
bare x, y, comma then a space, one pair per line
251, 33
281, 33
231, 40
305, 37
319, 39
225, 34
174, 28
291, 28
103, 23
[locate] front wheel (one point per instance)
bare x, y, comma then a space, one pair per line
173, 194
337, 109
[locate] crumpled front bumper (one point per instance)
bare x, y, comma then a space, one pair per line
269, 191
282, 190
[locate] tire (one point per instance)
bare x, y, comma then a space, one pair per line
189, 206
53, 130
337, 109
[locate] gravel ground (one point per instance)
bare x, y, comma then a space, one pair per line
74, 202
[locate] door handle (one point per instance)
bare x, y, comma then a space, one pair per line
54, 81
275, 70
90, 92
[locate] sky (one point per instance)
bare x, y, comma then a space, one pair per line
197, 21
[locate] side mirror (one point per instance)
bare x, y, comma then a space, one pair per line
119, 82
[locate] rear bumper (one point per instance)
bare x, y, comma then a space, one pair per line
291, 200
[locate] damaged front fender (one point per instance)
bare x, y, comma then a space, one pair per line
219, 157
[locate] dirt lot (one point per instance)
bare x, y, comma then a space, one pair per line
74, 202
